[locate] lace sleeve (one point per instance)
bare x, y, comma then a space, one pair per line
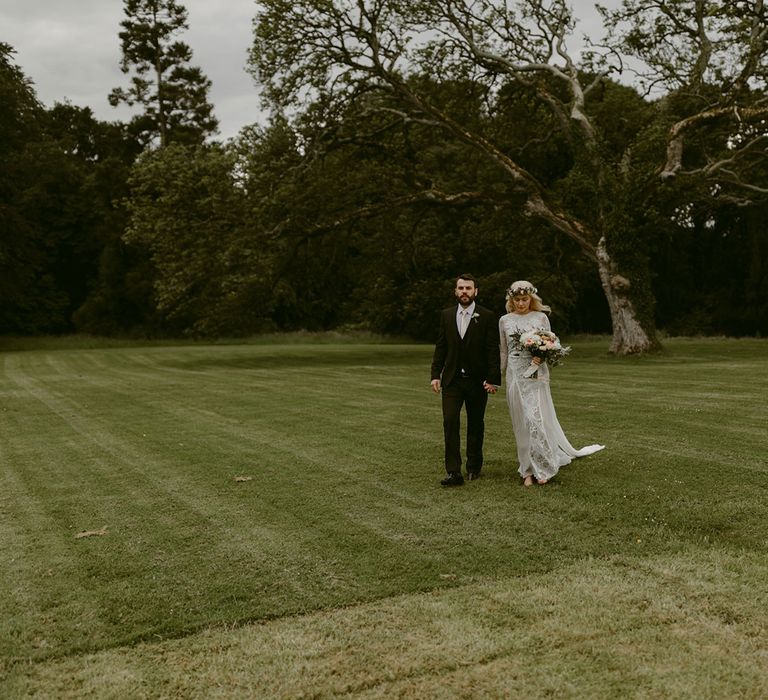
545, 322
502, 344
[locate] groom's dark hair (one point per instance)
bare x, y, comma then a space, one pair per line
469, 278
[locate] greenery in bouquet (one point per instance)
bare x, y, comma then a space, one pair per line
543, 344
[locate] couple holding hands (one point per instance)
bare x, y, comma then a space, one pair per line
471, 351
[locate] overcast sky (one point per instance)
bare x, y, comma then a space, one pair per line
70, 49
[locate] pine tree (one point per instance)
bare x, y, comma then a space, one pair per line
173, 94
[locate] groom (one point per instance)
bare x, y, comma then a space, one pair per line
465, 365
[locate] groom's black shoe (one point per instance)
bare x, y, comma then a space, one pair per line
453, 480
471, 476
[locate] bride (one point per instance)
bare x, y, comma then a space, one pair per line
542, 447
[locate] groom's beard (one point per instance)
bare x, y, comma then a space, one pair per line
465, 300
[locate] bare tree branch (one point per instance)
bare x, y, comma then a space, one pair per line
676, 138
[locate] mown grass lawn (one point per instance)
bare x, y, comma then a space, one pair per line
338, 566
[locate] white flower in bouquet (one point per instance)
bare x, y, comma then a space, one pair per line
543, 344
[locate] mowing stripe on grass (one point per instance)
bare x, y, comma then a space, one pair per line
343, 446
685, 626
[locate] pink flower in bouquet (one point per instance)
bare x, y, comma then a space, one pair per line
540, 343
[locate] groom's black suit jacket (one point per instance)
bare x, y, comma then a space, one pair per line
478, 351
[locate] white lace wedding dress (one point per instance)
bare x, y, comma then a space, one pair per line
542, 447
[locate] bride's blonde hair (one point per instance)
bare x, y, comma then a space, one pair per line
521, 288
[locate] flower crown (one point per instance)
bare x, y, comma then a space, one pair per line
519, 291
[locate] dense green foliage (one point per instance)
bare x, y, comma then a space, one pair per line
356, 214
62, 176
188, 212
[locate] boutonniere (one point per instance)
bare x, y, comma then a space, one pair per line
475, 316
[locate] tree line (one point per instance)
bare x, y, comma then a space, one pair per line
407, 143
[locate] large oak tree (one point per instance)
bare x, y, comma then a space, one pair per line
371, 53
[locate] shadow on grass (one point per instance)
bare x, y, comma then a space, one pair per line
295, 358
80, 341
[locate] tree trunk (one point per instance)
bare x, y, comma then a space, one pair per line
629, 336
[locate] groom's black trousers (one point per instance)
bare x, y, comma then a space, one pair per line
464, 392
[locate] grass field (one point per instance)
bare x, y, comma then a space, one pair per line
273, 526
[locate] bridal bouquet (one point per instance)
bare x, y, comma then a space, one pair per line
543, 344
